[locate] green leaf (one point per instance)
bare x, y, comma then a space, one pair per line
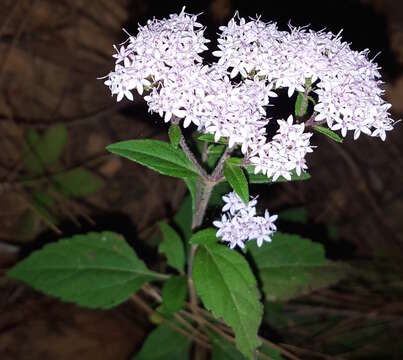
97, 270
329, 133
78, 182
174, 134
210, 138
164, 343
296, 215
204, 237
174, 294
299, 111
227, 288
172, 247
44, 151
263, 179
156, 155
222, 349
290, 266
236, 178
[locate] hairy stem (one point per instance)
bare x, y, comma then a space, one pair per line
192, 158
202, 205
217, 173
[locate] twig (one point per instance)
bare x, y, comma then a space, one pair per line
150, 311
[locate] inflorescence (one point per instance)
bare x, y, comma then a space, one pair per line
239, 222
230, 98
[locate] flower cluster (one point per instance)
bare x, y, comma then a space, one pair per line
230, 98
159, 46
286, 151
346, 81
239, 222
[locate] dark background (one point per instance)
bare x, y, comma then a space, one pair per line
51, 53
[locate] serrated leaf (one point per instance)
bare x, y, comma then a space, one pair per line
228, 289
263, 179
78, 182
329, 133
204, 237
222, 349
96, 270
299, 111
156, 155
290, 266
172, 247
43, 151
236, 178
174, 292
174, 134
164, 343
210, 138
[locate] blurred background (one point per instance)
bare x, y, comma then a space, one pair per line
56, 179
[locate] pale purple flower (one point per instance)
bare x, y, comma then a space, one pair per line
230, 98
239, 223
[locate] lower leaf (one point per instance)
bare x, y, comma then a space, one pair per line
228, 288
164, 343
96, 270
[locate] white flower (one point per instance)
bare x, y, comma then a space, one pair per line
348, 89
239, 223
285, 153
230, 98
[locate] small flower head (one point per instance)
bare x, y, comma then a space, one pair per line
239, 223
